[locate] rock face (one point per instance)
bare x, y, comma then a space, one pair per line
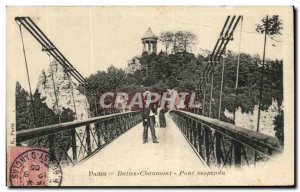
65, 96
249, 120
133, 65
56, 78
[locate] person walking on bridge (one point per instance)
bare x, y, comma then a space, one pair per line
148, 116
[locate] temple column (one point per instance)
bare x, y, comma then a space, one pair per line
154, 47
149, 47
144, 48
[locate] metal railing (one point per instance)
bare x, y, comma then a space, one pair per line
223, 144
73, 142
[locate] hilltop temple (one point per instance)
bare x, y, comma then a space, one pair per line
149, 41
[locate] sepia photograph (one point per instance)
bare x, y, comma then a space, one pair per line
149, 96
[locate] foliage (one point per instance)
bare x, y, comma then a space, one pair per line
40, 114
279, 127
182, 71
28, 117
166, 38
181, 41
184, 41
271, 25
23, 113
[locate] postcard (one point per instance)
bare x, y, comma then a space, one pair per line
150, 96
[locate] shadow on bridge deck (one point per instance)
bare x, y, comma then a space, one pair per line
127, 156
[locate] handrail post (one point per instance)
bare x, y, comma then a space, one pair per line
125, 122
195, 133
98, 131
116, 125
206, 140
129, 121
51, 144
74, 147
188, 127
218, 147
185, 125
237, 152
133, 120
88, 139
200, 140
121, 124
105, 131
191, 130
111, 129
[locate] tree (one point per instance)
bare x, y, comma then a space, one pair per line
67, 115
115, 77
279, 127
24, 113
184, 41
166, 38
270, 27
45, 116
181, 71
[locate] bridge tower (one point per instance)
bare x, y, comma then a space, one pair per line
149, 41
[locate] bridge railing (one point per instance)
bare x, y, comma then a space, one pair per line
223, 144
73, 142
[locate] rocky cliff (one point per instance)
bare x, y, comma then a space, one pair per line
54, 78
66, 95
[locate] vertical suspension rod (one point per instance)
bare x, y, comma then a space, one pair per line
237, 73
221, 89
28, 78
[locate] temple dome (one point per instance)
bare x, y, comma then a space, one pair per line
149, 35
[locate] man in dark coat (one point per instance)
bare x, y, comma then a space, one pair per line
162, 118
149, 121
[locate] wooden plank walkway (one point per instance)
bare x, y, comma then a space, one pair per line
126, 161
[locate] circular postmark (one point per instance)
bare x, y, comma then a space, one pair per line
35, 167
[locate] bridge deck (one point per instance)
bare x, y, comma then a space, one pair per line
128, 154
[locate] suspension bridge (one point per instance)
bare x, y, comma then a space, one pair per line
114, 141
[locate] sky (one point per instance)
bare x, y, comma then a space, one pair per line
94, 38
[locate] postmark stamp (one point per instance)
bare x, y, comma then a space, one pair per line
33, 167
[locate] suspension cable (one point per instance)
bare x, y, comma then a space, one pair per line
203, 107
237, 72
28, 77
211, 93
225, 38
221, 89
49, 47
